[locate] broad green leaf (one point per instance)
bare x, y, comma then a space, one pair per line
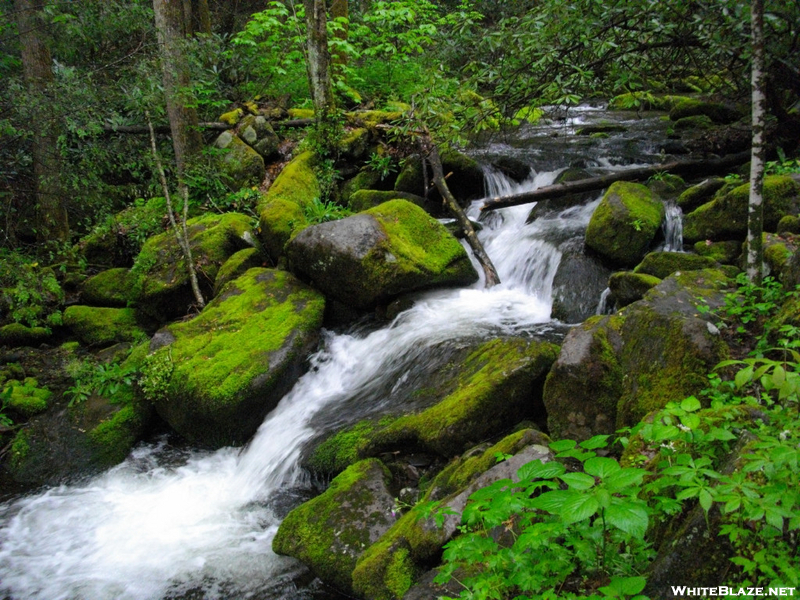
578, 507
691, 404
562, 445
629, 476
743, 376
601, 467
551, 501
705, 500
598, 441
630, 517
578, 481
538, 470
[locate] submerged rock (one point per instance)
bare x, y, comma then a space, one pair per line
624, 224
372, 257
214, 378
330, 532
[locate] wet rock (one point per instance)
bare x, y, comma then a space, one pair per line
574, 302
624, 224
229, 366
627, 287
332, 531
699, 194
378, 255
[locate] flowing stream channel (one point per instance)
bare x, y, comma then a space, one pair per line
171, 523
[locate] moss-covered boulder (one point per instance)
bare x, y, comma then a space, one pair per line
164, 289
214, 378
725, 253
790, 224
365, 179
614, 370
624, 224
500, 384
664, 264
700, 193
778, 253
696, 122
17, 334
379, 254
257, 133
100, 326
365, 199
281, 211
242, 166
330, 532
627, 286
667, 186
585, 383
725, 217
715, 111
466, 181
115, 288
355, 143
236, 266
388, 568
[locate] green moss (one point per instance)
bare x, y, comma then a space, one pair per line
240, 345
331, 531
114, 437
301, 113
499, 380
27, 398
241, 164
725, 217
776, 253
280, 220
628, 287
236, 266
232, 117
726, 253
17, 334
355, 143
343, 449
363, 200
112, 288
700, 193
692, 107
20, 447
699, 122
625, 223
96, 326
664, 264
789, 224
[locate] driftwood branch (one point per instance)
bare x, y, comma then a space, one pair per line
439, 180
686, 168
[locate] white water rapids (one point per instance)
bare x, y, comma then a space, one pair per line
158, 525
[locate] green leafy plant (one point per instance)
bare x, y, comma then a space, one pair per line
102, 379
320, 211
31, 294
382, 164
5, 396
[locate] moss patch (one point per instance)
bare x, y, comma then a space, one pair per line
627, 287
17, 334
96, 326
296, 183
726, 253
236, 266
27, 398
111, 288
625, 223
664, 264
363, 200
232, 363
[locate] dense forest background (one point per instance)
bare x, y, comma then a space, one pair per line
465, 66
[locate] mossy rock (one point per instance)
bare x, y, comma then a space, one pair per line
372, 118
664, 264
725, 217
356, 143
100, 326
257, 133
643, 101
585, 383
236, 266
17, 334
279, 221
669, 347
627, 286
777, 253
725, 253
232, 117
365, 199
789, 224
717, 112
301, 113
667, 186
466, 181
696, 122
624, 224
115, 288
411, 179
699, 194
164, 289
500, 382
214, 378
242, 166
597, 128
366, 179
330, 532
388, 568
27, 398
372, 257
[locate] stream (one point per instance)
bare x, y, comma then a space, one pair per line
181, 523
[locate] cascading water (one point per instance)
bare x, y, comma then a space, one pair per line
673, 227
163, 524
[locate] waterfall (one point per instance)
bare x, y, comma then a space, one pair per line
605, 305
672, 227
167, 522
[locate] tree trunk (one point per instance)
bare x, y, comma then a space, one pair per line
559, 190
186, 139
755, 211
203, 17
340, 10
489, 271
319, 59
52, 222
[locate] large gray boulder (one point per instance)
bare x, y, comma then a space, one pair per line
377, 255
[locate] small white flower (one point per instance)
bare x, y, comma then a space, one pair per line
683, 427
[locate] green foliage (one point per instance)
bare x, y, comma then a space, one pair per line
570, 530
104, 379
29, 293
5, 397
782, 166
383, 164
321, 211
156, 371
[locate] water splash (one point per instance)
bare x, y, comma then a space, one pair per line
672, 227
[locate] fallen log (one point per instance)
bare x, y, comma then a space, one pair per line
686, 168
